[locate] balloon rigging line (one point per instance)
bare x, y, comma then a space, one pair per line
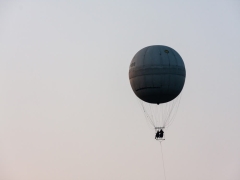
149, 120
171, 115
176, 109
172, 105
173, 111
171, 121
160, 115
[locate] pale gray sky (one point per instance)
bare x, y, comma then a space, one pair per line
67, 111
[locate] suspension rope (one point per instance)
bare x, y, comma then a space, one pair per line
175, 110
163, 161
161, 115
148, 119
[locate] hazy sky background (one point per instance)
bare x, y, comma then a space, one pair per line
67, 111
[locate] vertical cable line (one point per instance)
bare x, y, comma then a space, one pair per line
163, 161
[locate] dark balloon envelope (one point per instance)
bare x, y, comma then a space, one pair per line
157, 74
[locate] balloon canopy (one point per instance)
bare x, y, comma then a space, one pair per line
157, 74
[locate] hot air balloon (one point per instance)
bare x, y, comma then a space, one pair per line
157, 76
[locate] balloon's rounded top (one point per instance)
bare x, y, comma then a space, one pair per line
157, 74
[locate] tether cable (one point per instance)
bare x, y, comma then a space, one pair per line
163, 161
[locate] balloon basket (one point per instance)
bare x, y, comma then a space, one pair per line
159, 134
